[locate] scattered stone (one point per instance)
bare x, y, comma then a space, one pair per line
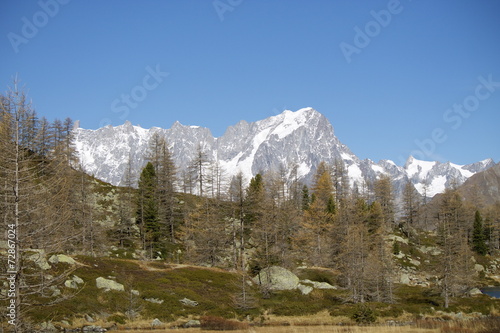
400, 255
404, 279
38, 257
154, 300
92, 328
414, 262
475, 292
478, 268
134, 292
188, 302
396, 239
89, 318
319, 285
277, 278
108, 285
305, 290
432, 250
156, 322
48, 327
192, 324
61, 258
55, 291
73, 283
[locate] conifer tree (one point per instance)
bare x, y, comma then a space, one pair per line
455, 266
147, 209
35, 203
478, 243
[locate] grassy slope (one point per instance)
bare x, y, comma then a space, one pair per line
215, 290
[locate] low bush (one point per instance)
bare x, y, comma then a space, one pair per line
363, 314
221, 324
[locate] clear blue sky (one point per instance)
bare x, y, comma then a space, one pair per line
229, 60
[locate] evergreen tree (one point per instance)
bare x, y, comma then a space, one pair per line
147, 208
478, 242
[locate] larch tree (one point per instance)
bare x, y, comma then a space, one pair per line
384, 195
411, 207
313, 235
455, 266
36, 207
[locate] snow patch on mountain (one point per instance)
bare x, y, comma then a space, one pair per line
297, 140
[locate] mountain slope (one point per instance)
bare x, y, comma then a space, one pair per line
483, 187
300, 139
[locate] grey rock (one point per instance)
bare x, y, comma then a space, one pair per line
38, 257
475, 292
61, 258
277, 278
154, 300
156, 322
192, 324
188, 302
305, 290
107, 285
48, 327
478, 268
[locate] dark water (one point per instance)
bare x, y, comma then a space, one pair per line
491, 291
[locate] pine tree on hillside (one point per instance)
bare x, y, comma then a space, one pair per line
147, 209
478, 242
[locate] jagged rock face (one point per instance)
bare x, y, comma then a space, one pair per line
302, 139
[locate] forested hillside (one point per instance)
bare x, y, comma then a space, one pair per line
370, 246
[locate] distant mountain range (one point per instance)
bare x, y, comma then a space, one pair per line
303, 138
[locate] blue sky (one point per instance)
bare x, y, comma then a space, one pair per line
393, 77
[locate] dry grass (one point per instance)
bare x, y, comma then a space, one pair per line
315, 329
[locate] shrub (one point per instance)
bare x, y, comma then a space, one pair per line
119, 319
363, 314
221, 324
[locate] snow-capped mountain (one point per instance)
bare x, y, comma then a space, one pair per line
302, 138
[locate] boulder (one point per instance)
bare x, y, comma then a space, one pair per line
108, 285
404, 279
475, 292
38, 257
61, 258
48, 327
478, 268
305, 290
319, 285
73, 282
188, 302
156, 322
432, 250
154, 300
277, 278
395, 238
192, 323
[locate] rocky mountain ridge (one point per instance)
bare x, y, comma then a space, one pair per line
302, 139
